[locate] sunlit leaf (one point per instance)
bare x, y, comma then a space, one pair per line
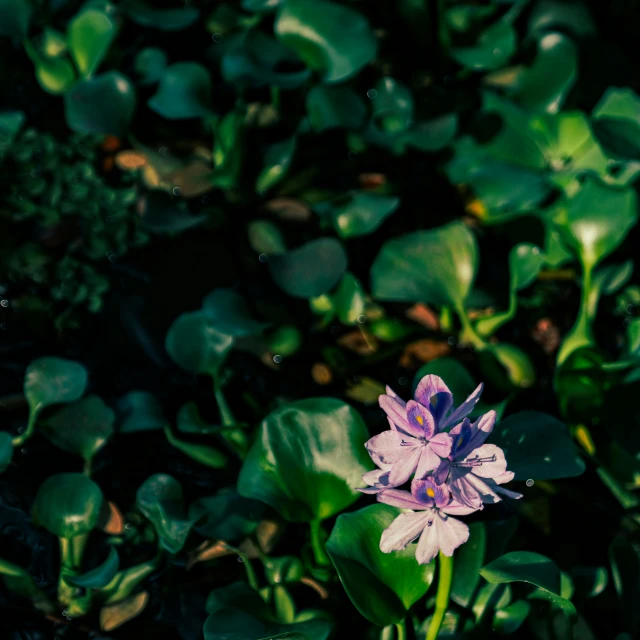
363, 213
115, 615
89, 36
101, 575
277, 161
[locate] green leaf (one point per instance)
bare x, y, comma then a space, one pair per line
81, 428
277, 161
525, 262
469, 560
363, 213
597, 220
496, 44
189, 420
435, 267
201, 453
139, 411
163, 215
307, 459
6, 450
383, 587
508, 620
101, 105
101, 575
284, 569
310, 270
228, 149
68, 504
228, 313
525, 566
284, 340
50, 381
310, 28
163, 19
160, 499
392, 106
89, 36
184, 92
226, 516
266, 237
432, 135
195, 345
237, 595
349, 300
15, 17
150, 64
54, 74
537, 446
616, 121
331, 107
572, 17
508, 366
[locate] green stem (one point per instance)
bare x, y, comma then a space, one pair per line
235, 437
445, 578
317, 544
86, 469
468, 333
252, 579
226, 414
401, 631
18, 441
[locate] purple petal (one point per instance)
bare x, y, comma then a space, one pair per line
461, 435
429, 544
465, 408
405, 466
420, 418
428, 462
463, 491
442, 472
403, 500
441, 444
451, 534
372, 478
455, 508
393, 394
391, 425
506, 492
480, 429
398, 414
488, 461
429, 492
403, 530
482, 486
390, 446
434, 394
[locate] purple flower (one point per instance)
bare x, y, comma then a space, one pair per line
378, 479
430, 519
473, 469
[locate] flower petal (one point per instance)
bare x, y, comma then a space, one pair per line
403, 530
420, 418
465, 408
480, 429
434, 394
372, 478
398, 414
429, 544
428, 462
455, 508
442, 472
403, 500
488, 461
393, 394
441, 444
507, 476
463, 491
390, 446
451, 533
505, 492
429, 492
404, 467
483, 488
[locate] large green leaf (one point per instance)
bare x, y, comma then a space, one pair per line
101, 575
617, 122
6, 450
15, 17
160, 499
469, 560
330, 38
53, 380
382, 586
89, 36
363, 213
525, 566
537, 446
68, 504
228, 313
309, 270
195, 345
146, 15
81, 428
101, 105
184, 92
307, 459
436, 266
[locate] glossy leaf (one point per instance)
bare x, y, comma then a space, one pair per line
508, 620
402, 270
101, 105
81, 428
184, 92
307, 459
469, 560
160, 499
349, 300
331, 107
68, 504
382, 586
50, 381
139, 411
228, 149
229, 314
310, 270
101, 575
617, 121
525, 262
202, 453
309, 28
54, 74
89, 36
494, 47
6, 450
537, 446
146, 15
195, 345
363, 213
277, 161
15, 17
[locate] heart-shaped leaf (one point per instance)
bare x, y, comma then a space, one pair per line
54, 74
309, 28
68, 504
537, 446
50, 381
349, 300
184, 92
81, 428
334, 107
6, 450
160, 499
469, 560
228, 313
139, 411
382, 586
310, 270
493, 49
307, 459
363, 213
89, 36
195, 345
101, 575
525, 262
146, 15
403, 270
101, 105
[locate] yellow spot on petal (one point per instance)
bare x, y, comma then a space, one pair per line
420, 420
459, 441
430, 492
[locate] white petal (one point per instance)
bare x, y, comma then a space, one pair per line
451, 533
403, 530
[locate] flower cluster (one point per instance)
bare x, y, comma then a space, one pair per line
454, 472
